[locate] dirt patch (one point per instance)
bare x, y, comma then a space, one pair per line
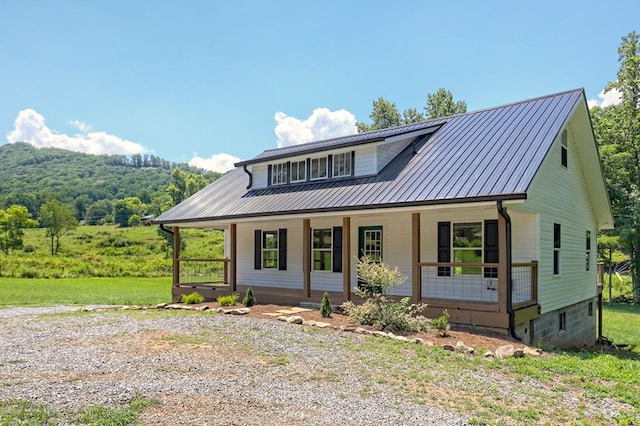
478, 339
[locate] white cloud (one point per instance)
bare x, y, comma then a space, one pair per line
612, 97
216, 163
30, 127
322, 124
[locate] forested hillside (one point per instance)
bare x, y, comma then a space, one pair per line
29, 176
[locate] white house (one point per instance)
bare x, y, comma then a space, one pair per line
493, 215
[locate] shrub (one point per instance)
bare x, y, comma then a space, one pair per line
441, 323
325, 306
249, 298
379, 310
228, 300
192, 299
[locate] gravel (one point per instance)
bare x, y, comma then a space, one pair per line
203, 369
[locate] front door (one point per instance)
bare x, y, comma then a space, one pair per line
370, 242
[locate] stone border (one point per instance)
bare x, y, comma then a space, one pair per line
506, 351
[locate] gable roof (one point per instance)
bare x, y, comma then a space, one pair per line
486, 155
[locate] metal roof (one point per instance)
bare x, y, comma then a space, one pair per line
484, 155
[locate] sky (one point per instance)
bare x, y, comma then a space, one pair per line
215, 82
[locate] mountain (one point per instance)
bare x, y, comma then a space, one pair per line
30, 175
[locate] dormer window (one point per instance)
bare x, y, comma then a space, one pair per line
342, 164
318, 168
278, 174
299, 171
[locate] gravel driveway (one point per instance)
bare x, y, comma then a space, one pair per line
203, 369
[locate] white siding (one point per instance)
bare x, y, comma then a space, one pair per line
259, 172
365, 160
561, 196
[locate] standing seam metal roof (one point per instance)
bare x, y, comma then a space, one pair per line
483, 155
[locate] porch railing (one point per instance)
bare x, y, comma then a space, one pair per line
203, 271
477, 282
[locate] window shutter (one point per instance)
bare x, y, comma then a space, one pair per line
353, 163
337, 249
444, 248
257, 249
491, 252
329, 166
288, 172
269, 171
308, 166
282, 249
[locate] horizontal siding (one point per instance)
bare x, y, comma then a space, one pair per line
524, 236
365, 160
561, 196
259, 172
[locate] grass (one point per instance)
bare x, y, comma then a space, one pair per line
84, 291
621, 324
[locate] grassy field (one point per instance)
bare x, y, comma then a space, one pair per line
621, 324
84, 291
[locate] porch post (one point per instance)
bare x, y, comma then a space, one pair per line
416, 270
233, 249
306, 256
503, 270
176, 256
346, 258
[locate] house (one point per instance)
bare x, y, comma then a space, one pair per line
492, 215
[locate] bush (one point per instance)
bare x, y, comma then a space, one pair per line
249, 298
441, 323
325, 306
192, 299
229, 300
379, 310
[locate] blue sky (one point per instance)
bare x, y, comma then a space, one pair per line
223, 81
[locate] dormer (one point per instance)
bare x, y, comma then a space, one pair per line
350, 157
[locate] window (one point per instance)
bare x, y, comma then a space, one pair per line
278, 174
467, 247
564, 151
342, 164
298, 171
590, 309
588, 252
556, 248
270, 250
319, 168
322, 249
562, 321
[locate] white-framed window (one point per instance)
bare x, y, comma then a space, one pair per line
299, 171
588, 252
318, 168
564, 150
270, 249
342, 164
557, 245
278, 174
467, 247
321, 249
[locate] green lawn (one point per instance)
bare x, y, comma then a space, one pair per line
621, 324
84, 291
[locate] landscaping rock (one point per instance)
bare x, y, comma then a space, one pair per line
296, 319
418, 341
238, 311
461, 347
379, 333
448, 347
518, 353
321, 324
532, 351
505, 351
282, 318
310, 323
360, 330
488, 354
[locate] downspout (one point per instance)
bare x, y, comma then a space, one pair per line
512, 314
165, 229
250, 176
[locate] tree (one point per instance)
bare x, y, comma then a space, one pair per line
98, 212
617, 130
125, 208
385, 114
13, 221
184, 185
441, 104
58, 218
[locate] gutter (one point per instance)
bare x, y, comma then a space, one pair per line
512, 314
165, 229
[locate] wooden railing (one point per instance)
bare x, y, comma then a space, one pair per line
203, 272
477, 282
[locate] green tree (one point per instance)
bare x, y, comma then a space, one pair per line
617, 130
13, 221
184, 184
58, 218
125, 208
384, 114
441, 104
98, 212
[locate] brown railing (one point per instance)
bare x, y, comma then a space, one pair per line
477, 282
203, 271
